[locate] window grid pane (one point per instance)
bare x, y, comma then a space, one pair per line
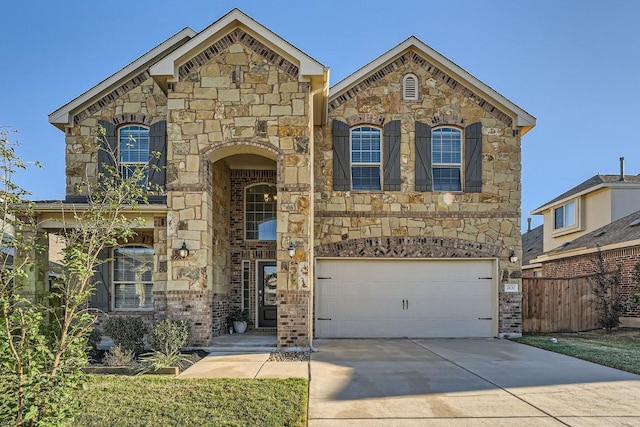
446, 179
365, 178
260, 212
446, 155
365, 158
132, 278
246, 280
133, 151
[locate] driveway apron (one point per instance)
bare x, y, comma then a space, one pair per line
463, 382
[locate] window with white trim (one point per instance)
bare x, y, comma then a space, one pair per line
410, 87
246, 282
133, 151
446, 159
132, 287
261, 202
366, 152
564, 216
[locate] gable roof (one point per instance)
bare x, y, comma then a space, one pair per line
168, 66
625, 229
532, 244
63, 116
594, 183
446, 69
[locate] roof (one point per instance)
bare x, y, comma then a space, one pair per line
625, 229
63, 116
532, 244
591, 184
524, 119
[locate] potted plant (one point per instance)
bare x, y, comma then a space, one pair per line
239, 319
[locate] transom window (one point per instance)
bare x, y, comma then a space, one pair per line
260, 209
133, 151
365, 158
132, 278
564, 216
446, 159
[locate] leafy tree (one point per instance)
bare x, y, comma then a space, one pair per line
605, 284
42, 349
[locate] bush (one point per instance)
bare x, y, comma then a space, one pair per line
127, 332
169, 336
118, 357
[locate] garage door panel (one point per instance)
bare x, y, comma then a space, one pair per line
364, 298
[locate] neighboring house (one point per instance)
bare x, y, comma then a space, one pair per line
386, 206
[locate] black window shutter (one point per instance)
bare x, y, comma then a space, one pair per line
473, 158
341, 157
424, 175
101, 280
391, 160
158, 144
107, 147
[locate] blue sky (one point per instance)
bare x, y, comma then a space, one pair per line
573, 64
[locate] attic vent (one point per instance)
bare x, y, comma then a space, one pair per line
635, 222
410, 87
599, 233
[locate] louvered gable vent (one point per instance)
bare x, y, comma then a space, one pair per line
410, 87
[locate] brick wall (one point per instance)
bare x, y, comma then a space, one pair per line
195, 306
293, 318
510, 314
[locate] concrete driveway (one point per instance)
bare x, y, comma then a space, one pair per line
463, 382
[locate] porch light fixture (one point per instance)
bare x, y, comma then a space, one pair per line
513, 258
183, 252
292, 250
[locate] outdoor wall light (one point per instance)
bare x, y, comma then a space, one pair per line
183, 252
513, 258
291, 250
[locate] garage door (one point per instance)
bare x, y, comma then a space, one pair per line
365, 298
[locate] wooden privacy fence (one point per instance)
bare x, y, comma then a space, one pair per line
558, 305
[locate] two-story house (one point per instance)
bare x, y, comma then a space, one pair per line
385, 206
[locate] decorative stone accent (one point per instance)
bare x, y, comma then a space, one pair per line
360, 119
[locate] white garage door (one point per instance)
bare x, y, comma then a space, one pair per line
365, 298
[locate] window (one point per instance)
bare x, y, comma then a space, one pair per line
446, 155
133, 150
132, 278
260, 210
564, 216
365, 158
246, 281
410, 87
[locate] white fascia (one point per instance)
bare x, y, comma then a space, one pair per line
524, 120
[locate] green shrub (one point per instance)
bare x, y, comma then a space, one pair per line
94, 338
169, 336
151, 362
127, 331
116, 356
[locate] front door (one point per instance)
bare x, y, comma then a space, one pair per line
267, 294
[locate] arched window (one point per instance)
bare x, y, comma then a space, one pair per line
446, 155
261, 202
410, 87
366, 152
132, 278
133, 151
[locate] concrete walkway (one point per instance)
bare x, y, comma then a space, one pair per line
244, 356
464, 382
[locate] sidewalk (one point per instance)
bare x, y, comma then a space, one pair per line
244, 356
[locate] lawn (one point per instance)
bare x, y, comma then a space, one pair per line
149, 400
619, 349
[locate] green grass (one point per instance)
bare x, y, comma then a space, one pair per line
116, 401
613, 351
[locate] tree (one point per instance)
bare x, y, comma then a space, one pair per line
605, 284
42, 350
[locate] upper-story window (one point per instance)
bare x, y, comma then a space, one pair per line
365, 158
410, 87
564, 216
133, 151
132, 287
261, 202
446, 155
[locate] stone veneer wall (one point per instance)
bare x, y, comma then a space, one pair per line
490, 218
141, 102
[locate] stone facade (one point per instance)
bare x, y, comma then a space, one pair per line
243, 107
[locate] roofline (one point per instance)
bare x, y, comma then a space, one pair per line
620, 184
308, 66
524, 120
58, 207
62, 116
584, 251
